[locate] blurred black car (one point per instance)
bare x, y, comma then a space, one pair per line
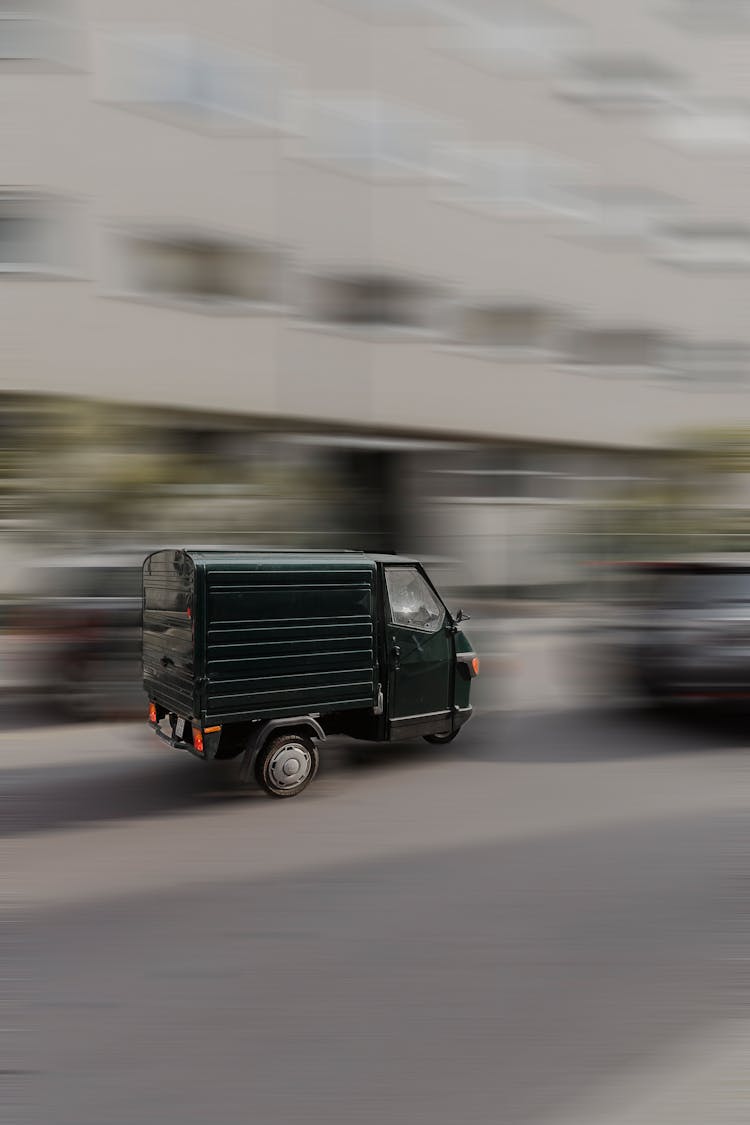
688, 637
80, 631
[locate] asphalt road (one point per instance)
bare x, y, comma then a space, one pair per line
541, 923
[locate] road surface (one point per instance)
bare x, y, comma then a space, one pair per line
541, 923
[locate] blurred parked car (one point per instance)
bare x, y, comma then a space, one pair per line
686, 634
77, 634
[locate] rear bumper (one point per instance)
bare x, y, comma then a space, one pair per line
176, 743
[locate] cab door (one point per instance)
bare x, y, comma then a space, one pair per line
420, 653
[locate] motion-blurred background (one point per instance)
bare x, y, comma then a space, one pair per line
465, 278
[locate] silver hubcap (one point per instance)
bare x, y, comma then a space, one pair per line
290, 766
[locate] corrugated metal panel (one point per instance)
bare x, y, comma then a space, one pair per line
287, 635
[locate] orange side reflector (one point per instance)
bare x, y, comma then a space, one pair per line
211, 730
475, 665
152, 712
197, 740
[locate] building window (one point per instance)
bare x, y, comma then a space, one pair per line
508, 181
622, 352
702, 365
714, 365
711, 246
523, 331
40, 34
620, 83
190, 81
39, 234
200, 270
368, 136
371, 301
507, 36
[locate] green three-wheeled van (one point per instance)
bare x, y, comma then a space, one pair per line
264, 654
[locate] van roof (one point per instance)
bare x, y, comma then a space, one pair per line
213, 554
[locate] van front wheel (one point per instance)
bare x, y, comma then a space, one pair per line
441, 739
286, 765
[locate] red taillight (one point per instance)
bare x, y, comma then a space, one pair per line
197, 740
152, 712
475, 665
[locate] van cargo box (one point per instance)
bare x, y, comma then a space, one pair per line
239, 636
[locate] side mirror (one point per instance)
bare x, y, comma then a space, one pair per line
460, 616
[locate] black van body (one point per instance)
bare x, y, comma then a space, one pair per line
241, 646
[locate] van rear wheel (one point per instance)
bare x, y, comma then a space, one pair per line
286, 765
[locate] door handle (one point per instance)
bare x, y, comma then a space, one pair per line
396, 653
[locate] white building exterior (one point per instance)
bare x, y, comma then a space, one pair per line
474, 220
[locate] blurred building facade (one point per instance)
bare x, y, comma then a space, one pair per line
459, 270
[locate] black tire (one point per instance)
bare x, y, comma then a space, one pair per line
274, 762
441, 739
